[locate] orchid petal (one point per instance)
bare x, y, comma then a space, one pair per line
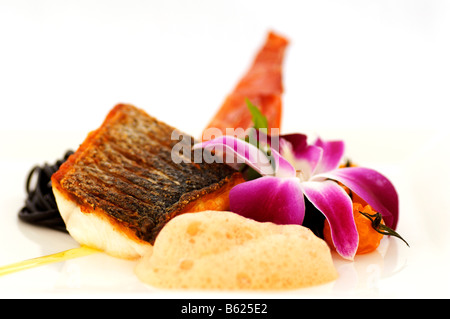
292, 148
283, 167
269, 199
372, 187
333, 151
335, 204
237, 150
303, 157
249, 154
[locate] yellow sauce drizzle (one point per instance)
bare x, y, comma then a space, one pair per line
44, 260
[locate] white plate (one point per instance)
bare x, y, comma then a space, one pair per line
394, 270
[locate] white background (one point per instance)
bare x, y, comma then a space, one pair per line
375, 73
64, 64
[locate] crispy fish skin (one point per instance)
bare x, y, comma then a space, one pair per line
124, 173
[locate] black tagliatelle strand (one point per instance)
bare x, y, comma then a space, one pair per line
40, 205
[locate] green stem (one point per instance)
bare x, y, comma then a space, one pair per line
380, 228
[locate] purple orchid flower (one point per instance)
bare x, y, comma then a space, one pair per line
299, 170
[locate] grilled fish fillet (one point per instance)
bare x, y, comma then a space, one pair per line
120, 188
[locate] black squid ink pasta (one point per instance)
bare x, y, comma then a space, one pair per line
40, 205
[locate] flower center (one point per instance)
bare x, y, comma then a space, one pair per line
300, 175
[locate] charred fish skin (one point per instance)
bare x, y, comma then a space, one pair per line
125, 171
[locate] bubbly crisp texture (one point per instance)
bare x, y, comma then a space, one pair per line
222, 250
